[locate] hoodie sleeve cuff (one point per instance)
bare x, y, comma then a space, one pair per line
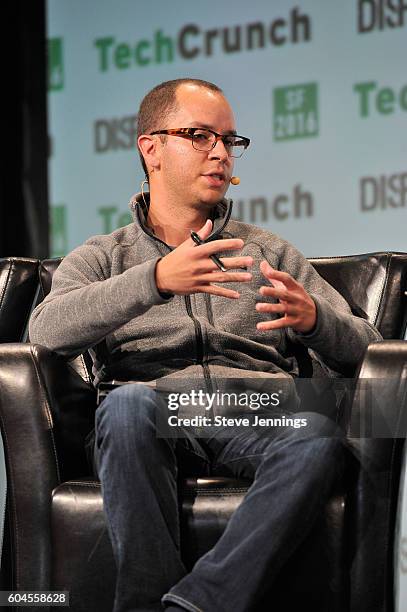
316, 330
159, 296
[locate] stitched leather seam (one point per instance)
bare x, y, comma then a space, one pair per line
384, 287
333, 257
22, 259
40, 267
47, 412
95, 485
24, 329
201, 493
86, 370
3, 292
41, 281
186, 492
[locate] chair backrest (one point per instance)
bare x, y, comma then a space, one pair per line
18, 288
46, 271
374, 285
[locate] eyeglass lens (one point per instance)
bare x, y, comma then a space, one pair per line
204, 140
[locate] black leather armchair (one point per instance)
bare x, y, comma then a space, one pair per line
55, 530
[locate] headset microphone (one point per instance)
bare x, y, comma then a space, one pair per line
235, 180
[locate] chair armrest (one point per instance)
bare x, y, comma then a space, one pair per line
379, 404
46, 409
377, 437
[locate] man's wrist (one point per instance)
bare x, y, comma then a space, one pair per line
163, 292
313, 328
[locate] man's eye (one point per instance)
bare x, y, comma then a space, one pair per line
201, 136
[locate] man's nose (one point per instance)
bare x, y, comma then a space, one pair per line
219, 151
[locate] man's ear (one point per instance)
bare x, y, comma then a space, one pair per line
150, 150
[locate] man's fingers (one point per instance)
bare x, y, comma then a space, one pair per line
279, 294
277, 308
217, 246
205, 230
220, 291
225, 277
231, 263
273, 274
276, 324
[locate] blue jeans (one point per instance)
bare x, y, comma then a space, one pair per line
294, 471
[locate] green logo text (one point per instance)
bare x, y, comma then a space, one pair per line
59, 232
55, 64
113, 218
385, 100
295, 111
192, 42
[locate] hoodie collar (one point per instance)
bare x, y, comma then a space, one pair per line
220, 214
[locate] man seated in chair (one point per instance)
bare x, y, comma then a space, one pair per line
155, 304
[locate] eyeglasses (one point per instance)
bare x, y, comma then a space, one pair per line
205, 139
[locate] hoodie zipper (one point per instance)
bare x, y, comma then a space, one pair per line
199, 344
197, 325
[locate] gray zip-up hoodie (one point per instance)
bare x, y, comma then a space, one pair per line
104, 296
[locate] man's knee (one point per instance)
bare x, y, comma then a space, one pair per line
130, 409
312, 437
316, 425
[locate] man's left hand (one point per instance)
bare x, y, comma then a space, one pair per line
297, 308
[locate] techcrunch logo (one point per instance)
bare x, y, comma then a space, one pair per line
193, 42
384, 191
297, 205
385, 100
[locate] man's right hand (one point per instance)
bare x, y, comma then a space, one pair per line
188, 268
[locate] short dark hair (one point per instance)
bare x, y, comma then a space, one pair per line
160, 102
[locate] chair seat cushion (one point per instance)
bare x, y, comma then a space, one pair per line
83, 561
